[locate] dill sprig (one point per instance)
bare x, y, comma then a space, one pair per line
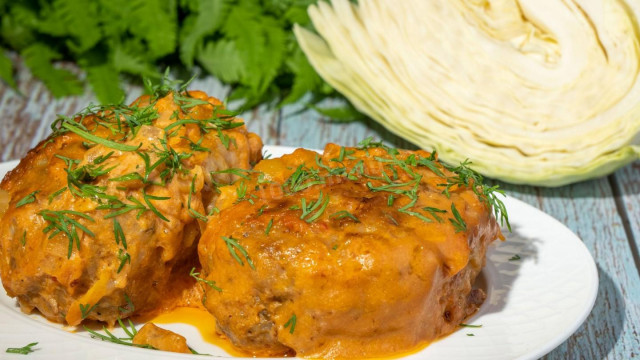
129, 308
344, 214
467, 177
25, 350
434, 213
268, 229
457, 221
86, 309
210, 283
291, 324
124, 257
99, 140
319, 205
235, 248
79, 179
110, 337
61, 222
27, 199
121, 207
302, 178
147, 199
192, 212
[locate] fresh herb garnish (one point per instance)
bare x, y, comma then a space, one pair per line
465, 176
131, 333
318, 206
211, 284
303, 178
27, 199
243, 173
124, 258
86, 309
147, 199
457, 221
291, 324
129, 308
234, 248
434, 213
194, 213
25, 350
344, 214
99, 140
470, 326
515, 257
268, 229
118, 233
56, 193
60, 222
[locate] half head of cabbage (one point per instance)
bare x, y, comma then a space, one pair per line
540, 92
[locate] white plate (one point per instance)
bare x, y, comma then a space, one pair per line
533, 304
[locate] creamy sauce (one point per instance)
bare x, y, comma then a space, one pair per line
201, 320
205, 323
4, 202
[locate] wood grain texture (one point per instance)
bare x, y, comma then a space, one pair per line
611, 331
627, 180
26, 116
589, 208
303, 127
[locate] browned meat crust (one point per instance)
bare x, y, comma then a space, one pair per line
355, 254
102, 228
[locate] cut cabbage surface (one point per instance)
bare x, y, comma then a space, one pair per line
540, 92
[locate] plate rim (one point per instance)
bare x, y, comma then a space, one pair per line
560, 338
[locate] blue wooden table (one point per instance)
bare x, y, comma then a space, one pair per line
604, 213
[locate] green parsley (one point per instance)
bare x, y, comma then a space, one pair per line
262, 61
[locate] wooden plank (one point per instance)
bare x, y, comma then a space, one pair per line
627, 180
27, 117
304, 127
587, 208
610, 331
